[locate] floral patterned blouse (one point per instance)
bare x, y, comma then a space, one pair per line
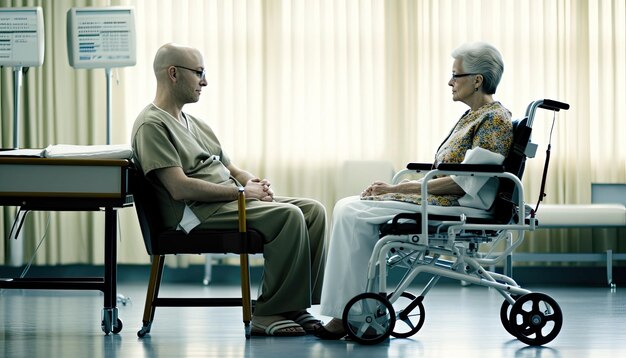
489, 127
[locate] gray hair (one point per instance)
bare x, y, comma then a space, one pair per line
482, 58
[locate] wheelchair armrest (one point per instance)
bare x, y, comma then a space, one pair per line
471, 167
420, 166
406, 216
396, 227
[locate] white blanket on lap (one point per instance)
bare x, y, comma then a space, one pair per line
480, 192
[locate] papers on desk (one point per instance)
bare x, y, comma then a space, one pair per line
35, 153
115, 151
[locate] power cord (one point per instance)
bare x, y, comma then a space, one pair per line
30, 262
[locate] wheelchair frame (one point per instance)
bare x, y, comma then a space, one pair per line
370, 317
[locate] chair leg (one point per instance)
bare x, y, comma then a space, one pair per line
246, 302
156, 272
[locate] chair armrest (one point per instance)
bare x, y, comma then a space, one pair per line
241, 206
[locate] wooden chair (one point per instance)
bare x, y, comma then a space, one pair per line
161, 242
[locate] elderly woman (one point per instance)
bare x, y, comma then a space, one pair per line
482, 135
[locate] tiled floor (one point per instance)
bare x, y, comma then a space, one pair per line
460, 321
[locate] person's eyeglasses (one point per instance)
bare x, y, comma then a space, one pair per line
457, 75
200, 73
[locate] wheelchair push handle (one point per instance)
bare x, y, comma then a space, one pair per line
548, 104
553, 105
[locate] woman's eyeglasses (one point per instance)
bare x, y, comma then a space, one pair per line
458, 75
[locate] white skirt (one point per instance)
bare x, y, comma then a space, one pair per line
354, 234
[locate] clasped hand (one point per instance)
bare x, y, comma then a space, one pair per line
259, 189
377, 188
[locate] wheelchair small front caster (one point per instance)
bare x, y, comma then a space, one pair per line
369, 318
410, 315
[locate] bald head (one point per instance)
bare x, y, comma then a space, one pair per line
179, 72
172, 54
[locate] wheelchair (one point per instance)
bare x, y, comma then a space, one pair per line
447, 243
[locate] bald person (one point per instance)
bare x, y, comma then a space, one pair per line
196, 185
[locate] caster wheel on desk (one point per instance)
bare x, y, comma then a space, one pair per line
118, 327
109, 315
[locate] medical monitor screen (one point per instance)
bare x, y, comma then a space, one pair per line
101, 37
21, 37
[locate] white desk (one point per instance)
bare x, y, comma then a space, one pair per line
71, 185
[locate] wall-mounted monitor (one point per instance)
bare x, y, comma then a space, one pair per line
21, 36
101, 37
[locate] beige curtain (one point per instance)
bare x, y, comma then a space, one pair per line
297, 87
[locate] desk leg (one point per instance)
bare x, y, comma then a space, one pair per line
110, 321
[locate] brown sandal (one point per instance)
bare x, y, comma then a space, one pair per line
322, 333
277, 329
307, 321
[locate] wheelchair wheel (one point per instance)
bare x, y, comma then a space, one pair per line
505, 311
409, 315
535, 319
368, 318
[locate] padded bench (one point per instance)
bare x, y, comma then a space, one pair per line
551, 216
583, 215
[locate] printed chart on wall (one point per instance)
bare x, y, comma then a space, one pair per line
101, 37
21, 37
